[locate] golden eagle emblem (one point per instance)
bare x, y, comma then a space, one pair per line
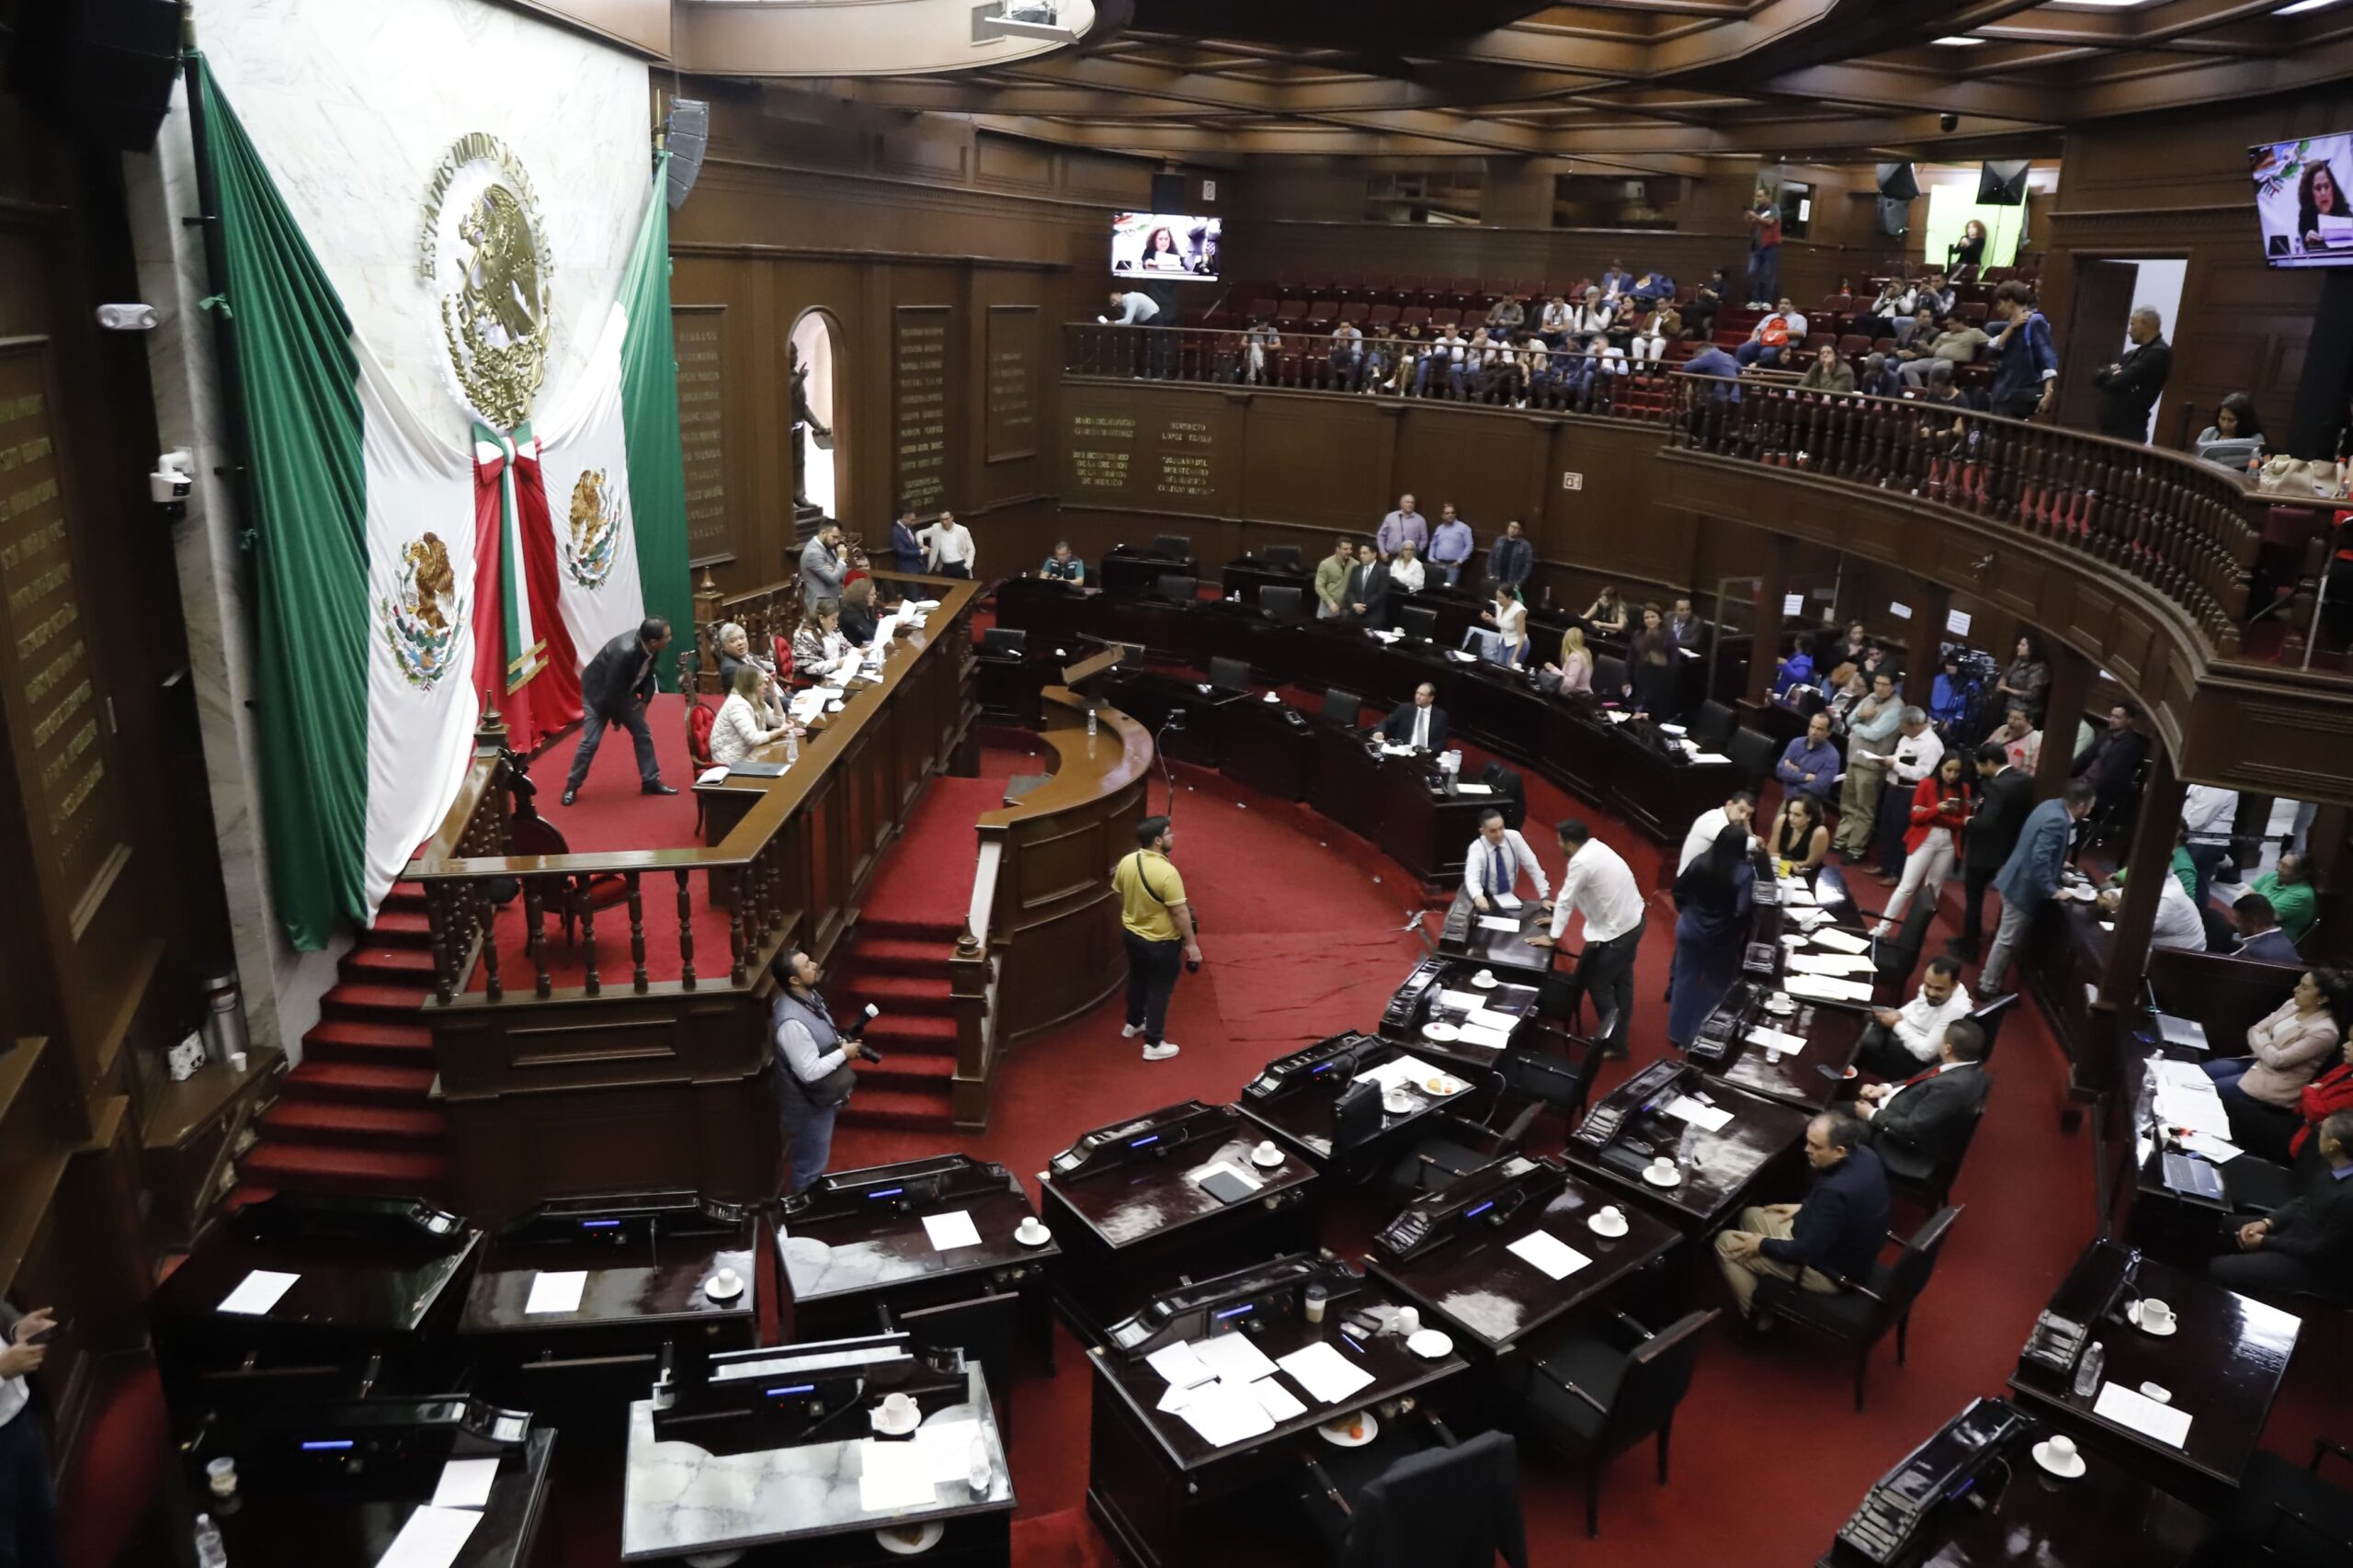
481, 247
596, 532
425, 616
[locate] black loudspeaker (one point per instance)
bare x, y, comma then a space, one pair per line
106, 66
689, 128
2001, 184
1897, 183
1168, 193
1895, 217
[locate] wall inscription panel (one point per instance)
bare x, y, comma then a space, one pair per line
1010, 426
919, 396
698, 338
1144, 447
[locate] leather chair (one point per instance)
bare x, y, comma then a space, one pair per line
1712, 725
2285, 1516
1861, 1311
1279, 603
1511, 792
1923, 1179
1550, 1083
1234, 675
1342, 704
1898, 956
1173, 547
1418, 621
1418, 1495
1609, 677
1989, 1018
1594, 1397
1752, 756
1179, 589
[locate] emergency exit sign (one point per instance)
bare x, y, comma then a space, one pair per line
1572, 482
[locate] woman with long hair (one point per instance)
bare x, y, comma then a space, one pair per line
1712, 899
1575, 668
1801, 839
2235, 420
2319, 196
1939, 814
1829, 372
742, 723
1969, 251
1160, 252
1650, 659
2027, 677
1607, 614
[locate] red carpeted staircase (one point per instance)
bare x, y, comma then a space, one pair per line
358, 1116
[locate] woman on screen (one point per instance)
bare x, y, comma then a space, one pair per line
2319, 197
1160, 252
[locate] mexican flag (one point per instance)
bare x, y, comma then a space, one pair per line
399, 577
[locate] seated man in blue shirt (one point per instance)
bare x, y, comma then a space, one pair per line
1062, 566
1450, 545
1809, 765
1835, 1234
1714, 361
1797, 669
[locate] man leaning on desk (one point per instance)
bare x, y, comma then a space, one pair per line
1420, 723
1491, 867
1836, 1230
2307, 1244
1599, 885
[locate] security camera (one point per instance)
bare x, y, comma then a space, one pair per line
1949, 121
168, 486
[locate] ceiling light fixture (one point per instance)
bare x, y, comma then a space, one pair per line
1960, 41
2301, 6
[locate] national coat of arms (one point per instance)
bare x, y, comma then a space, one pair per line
482, 248
594, 538
423, 618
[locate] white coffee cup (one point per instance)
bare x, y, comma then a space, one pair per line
1408, 1321
898, 1409
2062, 1449
1612, 1216
1032, 1230
1485, 974
1397, 1102
1266, 1151
2155, 1317
1663, 1164
727, 1281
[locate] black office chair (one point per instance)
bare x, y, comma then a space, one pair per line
1712, 725
1752, 757
2285, 1516
1416, 1495
1282, 557
1511, 792
1418, 621
1006, 640
1454, 1144
1609, 677
1861, 1311
1924, 1178
1230, 674
1898, 955
1178, 588
1173, 547
1553, 1083
1342, 705
1279, 604
1989, 1018
1593, 1398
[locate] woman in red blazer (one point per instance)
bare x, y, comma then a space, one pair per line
1939, 812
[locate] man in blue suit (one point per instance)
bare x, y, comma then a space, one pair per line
2031, 875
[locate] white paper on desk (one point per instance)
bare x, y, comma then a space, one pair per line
1479, 1034
1223, 1413
1822, 988
1277, 1400
1498, 923
1507, 901
1807, 917
2221, 1151
465, 1483
1706, 1118
1175, 1399
1462, 789
1616, 715
711, 775
1324, 1373
1230, 1168
257, 1293
556, 1291
1699, 757
2187, 1108
1379, 636
1463, 1001
1178, 1364
1830, 963
2181, 1074
1388, 750
1794, 891
1777, 1038
948, 1448
1546, 1251
1403, 1069
1488, 1019
892, 1477
2131, 1407
953, 1230
1844, 941
1234, 1359
431, 1539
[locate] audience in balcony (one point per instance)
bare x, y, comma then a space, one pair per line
1949, 403
1380, 358
2235, 420
1443, 362
1347, 356
1896, 301
1512, 556
1778, 332
1615, 282
1714, 361
1538, 381
1507, 315
1654, 327
1552, 324
1262, 351
1450, 545
2129, 387
1956, 345
1592, 317
2026, 359
1829, 372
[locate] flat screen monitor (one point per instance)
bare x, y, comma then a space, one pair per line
2304, 199
1170, 247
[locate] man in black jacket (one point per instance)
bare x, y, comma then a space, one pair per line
1420, 723
1836, 1230
1924, 1120
1366, 599
614, 689
2130, 387
2112, 763
2307, 1244
2005, 794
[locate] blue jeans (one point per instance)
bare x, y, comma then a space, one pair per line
808, 1130
1765, 273
27, 1504
2226, 1076
1754, 353
1451, 569
592, 735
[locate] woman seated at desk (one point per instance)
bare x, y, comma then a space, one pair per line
819, 649
2289, 1046
736, 655
1575, 668
1799, 839
1607, 614
859, 620
744, 722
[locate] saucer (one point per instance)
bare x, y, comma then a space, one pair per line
879, 1420
889, 1535
1443, 1087
2133, 1313
719, 1291
2043, 1457
1781, 1006
1612, 1231
1265, 1159
1650, 1175
1400, 1105
1485, 982
1335, 1431
1441, 1031
1428, 1343
1040, 1238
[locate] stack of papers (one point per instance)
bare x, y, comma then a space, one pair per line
1234, 1358
893, 1477
1843, 941
1405, 1069
1498, 923
1706, 1118
1225, 1413
2131, 1407
1481, 1035
1548, 1253
1383, 636
1780, 1039
1505, 901
951, 1230
1807, 917
1830, 963
465, 1483
1324, 1373
2198, 1111
1795, 892
431, 1539
1822, 988
1463, 1001
1488, 1019
1178, 1365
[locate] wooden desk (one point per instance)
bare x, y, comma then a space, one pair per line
1401, 804
1150, 697
1832, 1036
1407, 1018
2224, 1365
1492, 1299
1481, 947
1720, 1169
1130, 1231
1241, 580
1266, 744
1302, 1116
1165, 1497
1132, 572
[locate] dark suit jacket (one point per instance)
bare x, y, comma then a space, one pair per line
607, 686
2316, 1229
2271, 947
2001, 815
2112, 761
1931, 1118
1398, 728
1843, 1221
1369, 587
2126, 397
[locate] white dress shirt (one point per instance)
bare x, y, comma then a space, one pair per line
736, 731
1599, 886
1420, 739
1406, 575
1709, 827
2208, 813
801, 1054
14, 1397
1511, 622
948, 543
1479, 874
1915, 757
2179, 924
1920, 1023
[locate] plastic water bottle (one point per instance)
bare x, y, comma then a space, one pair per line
2089, 1370
210, 1553
791, 747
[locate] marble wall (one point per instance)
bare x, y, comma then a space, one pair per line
353, 105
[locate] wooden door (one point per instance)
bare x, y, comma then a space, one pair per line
2092, 333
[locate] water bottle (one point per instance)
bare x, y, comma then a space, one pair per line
2089, 1370
1090, 723
210, 1553
791, 747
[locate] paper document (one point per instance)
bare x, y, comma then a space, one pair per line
1234, 1358
2187, 1108
1463, 1001
1488, 1019
2131, 1407
1277, 1401
711, 775
1616, 715
1405, 1069
1699, 757
893, 1477
1462, 789
1480, 1035
948, 1448
1773, 1039
1844, 941
1324, 1372
1794, 891
1822, 988
1548, 1253
1223, 1413
1176, 1398
1462, 657
2181, 1074
2219, 1151
431, 1539
1388, 750
465, 1483
1499, 923
1808, 917
1507, 901
951, 1230
1830, 963
258, 1291
1706, 1118
556, 1291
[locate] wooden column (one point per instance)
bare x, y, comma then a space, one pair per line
2070, 686
2149, 863
1764, 652
1930, 602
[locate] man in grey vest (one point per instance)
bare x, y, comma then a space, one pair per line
815, 1057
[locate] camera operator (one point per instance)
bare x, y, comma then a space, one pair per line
814, 1055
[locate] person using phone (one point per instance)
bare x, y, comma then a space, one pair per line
28, 1515
1932, 841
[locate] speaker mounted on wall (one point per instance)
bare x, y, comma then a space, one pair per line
687, 133
1898, 183
2001, 184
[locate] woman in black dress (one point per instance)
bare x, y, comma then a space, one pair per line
1650, 659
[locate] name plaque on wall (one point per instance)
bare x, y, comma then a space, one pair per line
61, 719
1134, 448
698, 339
919, 399
1011, 428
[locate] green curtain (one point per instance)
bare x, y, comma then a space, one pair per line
296, 392
657, 481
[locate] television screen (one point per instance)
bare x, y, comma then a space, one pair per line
1165, 244
2304, 201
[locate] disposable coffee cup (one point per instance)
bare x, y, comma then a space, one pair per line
1314, 1303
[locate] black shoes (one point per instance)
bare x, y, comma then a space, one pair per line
661, 789
569, 796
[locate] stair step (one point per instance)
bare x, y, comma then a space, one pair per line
406, 896
342, 1125
890, 954
364, 1000
902, 992
246, 1192
347, 1039
911, 1110
908, 1070
358, 1081
311, 1167
380, 964
915, 1030
402, 929
933, 933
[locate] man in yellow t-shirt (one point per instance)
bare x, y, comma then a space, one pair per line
1156, 926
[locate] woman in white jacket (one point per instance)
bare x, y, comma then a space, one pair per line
739, 729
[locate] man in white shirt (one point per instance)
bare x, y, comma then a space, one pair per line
28, 1517
2179, 924
1599, 885
1139, 309
2207, 816
1444, 359
1738, 811
1420, 723
949, 544
1899, 1041
1491, 867
1919, 749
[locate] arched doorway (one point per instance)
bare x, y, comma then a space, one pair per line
815, 442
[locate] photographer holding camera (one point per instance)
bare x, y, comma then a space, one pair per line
815, 1057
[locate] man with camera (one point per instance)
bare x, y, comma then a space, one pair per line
814, 1055
1156, 926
